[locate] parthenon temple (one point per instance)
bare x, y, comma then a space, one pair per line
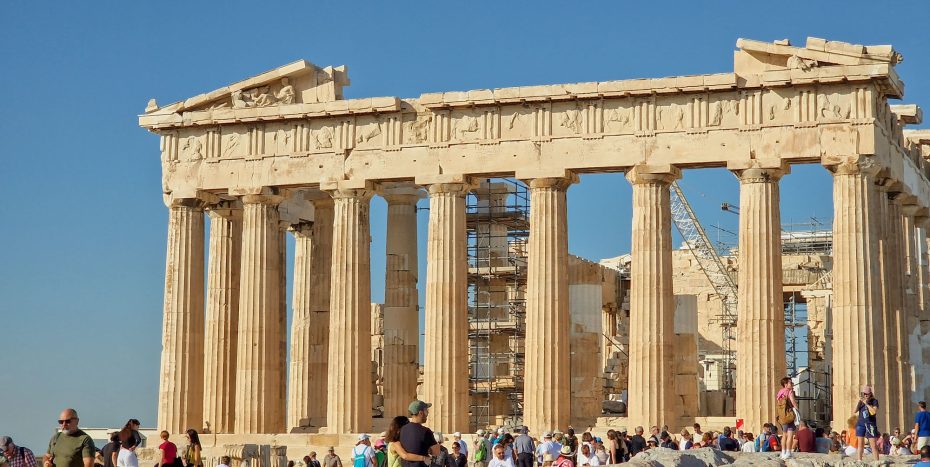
511, 319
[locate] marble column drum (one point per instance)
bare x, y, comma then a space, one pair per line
445, 373
222, 322
259, 406
890, 266
652, 303
180, 395
401, 311
760, 327
857, 302
349, 395
547, 404
300, 379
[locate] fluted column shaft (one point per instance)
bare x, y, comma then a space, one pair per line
350, 391
891, 266
445, 375
221, 338
760, 343
401, 315
857, 307
547, 380
904, 321
180, 398
259, 405
299, 377
652, 302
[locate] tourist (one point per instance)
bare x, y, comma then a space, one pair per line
613, 447
587, 457
499, 460
524, 448
482, 449
686, 441
443, 459
866, 424
654, 434
565, 457
571, 441
897, 448
415, 438
192, 454
726, 442
922, 426
457, 458
457, 438
766, 441
16, 456
600, 451
70, 447
637, 442
380, 453
707, 440
226, 460
822, 444
133, 426
167, 451
332, 459
805, 438
787, 415
111, 450
362, 454
667, 442
127, 448
749, 444
698, 434
310, 460
548, 446
650, 444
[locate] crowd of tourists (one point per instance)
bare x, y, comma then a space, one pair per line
408, 442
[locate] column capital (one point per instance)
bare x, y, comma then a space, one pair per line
555, 183
761, 174
852, 165
455, 188
227, 209
400, 192
301, 229
194, 199
272, 200
648, 174
922, 221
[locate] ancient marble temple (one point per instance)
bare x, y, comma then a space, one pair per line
283, 153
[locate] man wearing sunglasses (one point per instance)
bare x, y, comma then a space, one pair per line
71, 447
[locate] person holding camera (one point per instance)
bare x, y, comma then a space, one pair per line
866, 425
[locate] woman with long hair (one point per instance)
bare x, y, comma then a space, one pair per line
192, 453
395, 451
127, 450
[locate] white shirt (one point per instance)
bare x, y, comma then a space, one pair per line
505, 462
592, 461
748, 446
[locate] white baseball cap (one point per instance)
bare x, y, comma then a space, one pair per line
457, 434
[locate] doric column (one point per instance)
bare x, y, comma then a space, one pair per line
401, 313
760, 328
299, 377
857, 307
313, 250
652, 303
220, 342
180, 396
350, 392
259, 405
906, 321
445, 374
547, 380
891, 266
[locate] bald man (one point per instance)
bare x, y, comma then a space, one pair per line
71, 447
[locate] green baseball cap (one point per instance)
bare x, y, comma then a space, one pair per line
416, 406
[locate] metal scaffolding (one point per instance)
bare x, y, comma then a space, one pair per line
497, 221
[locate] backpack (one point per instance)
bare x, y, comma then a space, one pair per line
359, 459
482, 452
784, 411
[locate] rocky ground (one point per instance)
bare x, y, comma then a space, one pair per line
712, 457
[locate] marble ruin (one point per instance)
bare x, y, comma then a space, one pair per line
283, 153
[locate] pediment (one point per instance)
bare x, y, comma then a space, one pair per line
300, 82
757, 56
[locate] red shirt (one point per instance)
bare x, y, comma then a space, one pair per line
806, 441
170, 450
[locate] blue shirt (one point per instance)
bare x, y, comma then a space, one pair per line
865, 418
922, 419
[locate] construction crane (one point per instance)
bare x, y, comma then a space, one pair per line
708, 259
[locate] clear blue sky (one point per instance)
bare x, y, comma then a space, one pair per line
82, 223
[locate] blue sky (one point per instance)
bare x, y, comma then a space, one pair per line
82, 223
